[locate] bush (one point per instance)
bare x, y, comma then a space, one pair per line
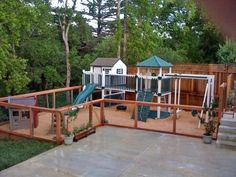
227, 52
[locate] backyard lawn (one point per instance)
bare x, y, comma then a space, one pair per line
14, 151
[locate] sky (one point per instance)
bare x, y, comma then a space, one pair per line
79, 7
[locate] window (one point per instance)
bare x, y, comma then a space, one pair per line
107, 71
119, 71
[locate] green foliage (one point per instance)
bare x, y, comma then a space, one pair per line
102, 12
15, 151
31, 44
13, 76
107, 48
83, 127
211, 123
227, 52
178, 26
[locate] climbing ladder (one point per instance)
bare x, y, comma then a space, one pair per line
143, 111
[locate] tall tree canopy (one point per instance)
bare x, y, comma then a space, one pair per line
44, 46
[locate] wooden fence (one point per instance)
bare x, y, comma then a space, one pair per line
59, 113
192, 91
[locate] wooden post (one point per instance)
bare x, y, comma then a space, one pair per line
229, 84
174, 119
102, 118
187, 99
72, 96
221, 105
234, 96
90, 113
135, 116
31, 124
47, 101
53, 100
221, 100
58, 128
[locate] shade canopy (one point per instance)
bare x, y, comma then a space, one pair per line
154, 62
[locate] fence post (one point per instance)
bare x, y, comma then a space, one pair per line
221, 99
31, 122
135, 115
102, 118
229, 84
234, 97
174, 120
58, 128
90, 113
53, 100
72, 96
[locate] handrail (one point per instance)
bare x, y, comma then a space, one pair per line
63, 109
153, 104
42, 92
20, 106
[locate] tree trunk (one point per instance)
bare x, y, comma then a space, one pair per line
125, 32
65, 26
99, 23
67, 59
118, 28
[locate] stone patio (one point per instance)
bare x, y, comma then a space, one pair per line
116, 152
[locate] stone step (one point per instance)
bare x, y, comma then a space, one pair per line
228, 122
227, 129
227, 137
226, 144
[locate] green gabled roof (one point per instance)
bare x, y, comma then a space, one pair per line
154, 62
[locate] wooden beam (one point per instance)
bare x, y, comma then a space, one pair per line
102, 118
43, 92
135, 116
54, 100
153, 130
229, 84
186, 107
90, 113
58, 128
17, 134
31, 128
72, 96
64, 109
19, 106
174, 119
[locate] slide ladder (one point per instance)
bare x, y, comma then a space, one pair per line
143, 111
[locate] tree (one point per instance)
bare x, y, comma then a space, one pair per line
118, 28
125, 30
142, 36
13, 76
65, 15
102, 12
179, 26
227, 52
42, 48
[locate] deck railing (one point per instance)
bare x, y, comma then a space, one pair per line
100, 114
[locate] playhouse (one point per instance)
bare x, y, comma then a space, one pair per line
20, 118
161, 83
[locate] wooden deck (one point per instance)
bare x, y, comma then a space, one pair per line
186, 124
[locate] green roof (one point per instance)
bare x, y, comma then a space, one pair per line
154, 62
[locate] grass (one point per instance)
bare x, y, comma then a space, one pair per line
15, 151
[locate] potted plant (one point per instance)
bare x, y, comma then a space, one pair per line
68, 136
83, 131
210, 121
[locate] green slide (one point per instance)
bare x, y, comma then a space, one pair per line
89, 88
143, 111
